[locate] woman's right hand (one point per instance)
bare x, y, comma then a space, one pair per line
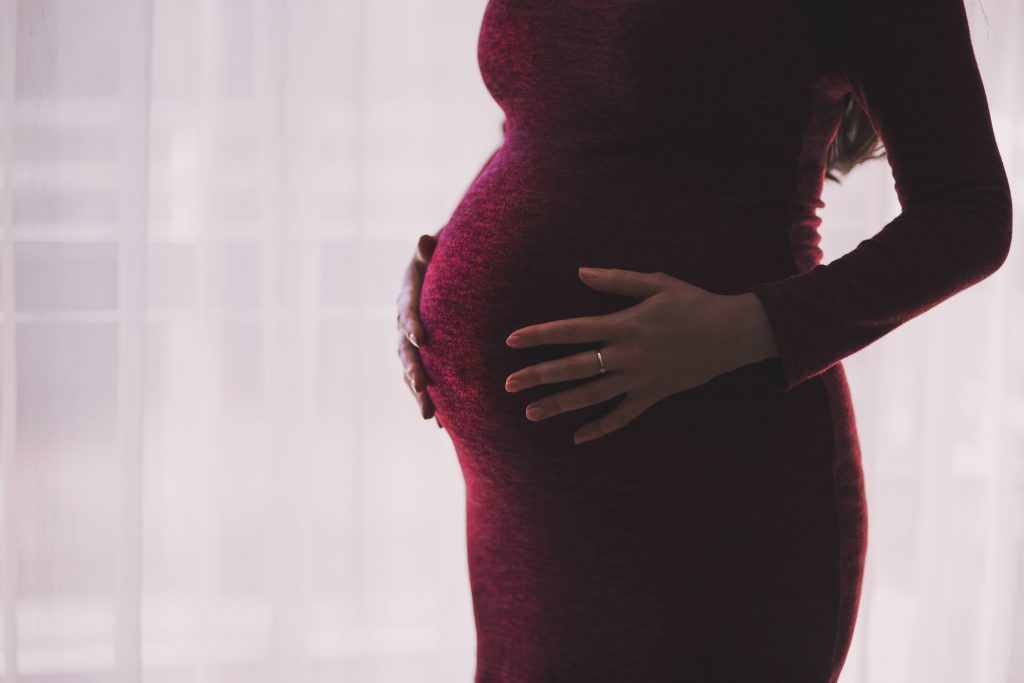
410, 331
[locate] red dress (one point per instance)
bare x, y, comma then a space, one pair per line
721, 535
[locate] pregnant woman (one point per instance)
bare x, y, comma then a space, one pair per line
662, 469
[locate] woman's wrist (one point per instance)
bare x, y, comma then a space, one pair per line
754, 338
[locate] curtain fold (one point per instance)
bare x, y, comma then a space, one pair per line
8, 347
211, 467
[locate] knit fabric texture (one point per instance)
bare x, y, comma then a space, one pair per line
721, 535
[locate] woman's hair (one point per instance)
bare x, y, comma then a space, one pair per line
856, 141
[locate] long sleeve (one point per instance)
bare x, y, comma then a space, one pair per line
911, 65
482, 169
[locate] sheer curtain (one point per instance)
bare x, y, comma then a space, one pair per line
211, 467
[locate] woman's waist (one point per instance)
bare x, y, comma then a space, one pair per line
531, 254
555, 216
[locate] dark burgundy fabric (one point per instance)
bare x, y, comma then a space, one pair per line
721, 535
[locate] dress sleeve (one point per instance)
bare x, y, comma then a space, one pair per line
911, 66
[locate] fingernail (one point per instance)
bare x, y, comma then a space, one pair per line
535, 412
583, 435
587, 272
412, 338
512, 339
513, 385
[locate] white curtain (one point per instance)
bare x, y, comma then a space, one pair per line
211, 467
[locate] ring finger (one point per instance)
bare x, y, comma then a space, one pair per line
576, 366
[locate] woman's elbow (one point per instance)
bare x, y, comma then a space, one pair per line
987, 210
1001, 221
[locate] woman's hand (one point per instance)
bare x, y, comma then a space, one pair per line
679, 336
410, 332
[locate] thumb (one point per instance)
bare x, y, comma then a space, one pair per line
627, 282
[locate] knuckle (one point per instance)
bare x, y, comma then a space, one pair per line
625, 358
648, 357
627, 326
593, 395
615, 421
563, 372
640, 357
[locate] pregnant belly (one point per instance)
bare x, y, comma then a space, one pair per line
509, 255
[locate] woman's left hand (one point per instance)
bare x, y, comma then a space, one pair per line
677, 337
